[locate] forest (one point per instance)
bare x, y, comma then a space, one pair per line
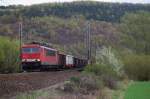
110, 12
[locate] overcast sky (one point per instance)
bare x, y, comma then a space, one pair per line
30, 2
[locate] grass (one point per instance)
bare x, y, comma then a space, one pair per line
138, 90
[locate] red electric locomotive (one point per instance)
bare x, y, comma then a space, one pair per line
37, 56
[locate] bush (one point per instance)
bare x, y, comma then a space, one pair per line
85, 84
104, 94
109, 57
137, 67
106, 73
101, 70
8, 55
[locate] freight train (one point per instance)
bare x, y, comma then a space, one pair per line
43, 57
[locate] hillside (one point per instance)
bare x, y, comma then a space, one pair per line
70, 34
65, 24
110, 12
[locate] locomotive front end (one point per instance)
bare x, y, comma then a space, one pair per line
31, 57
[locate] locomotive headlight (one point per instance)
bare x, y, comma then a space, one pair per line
38, 60
23, 60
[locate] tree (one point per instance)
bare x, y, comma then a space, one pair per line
136, 31
9, 55
106, 55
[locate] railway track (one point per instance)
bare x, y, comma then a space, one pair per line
12, 84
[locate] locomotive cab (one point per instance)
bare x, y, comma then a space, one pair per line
31, 56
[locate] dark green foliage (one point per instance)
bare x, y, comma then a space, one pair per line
9, 56
137, 66
90, 10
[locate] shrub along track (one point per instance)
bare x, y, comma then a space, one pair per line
12, 84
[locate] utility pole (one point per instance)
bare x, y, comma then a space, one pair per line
88, 42
20, 43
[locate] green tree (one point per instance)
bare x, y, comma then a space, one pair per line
135, 28
9, 55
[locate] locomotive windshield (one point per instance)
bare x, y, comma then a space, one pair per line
30, 50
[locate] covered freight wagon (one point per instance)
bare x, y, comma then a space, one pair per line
69, 61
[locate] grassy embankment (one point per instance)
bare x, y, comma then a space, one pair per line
134, 90
138, 90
